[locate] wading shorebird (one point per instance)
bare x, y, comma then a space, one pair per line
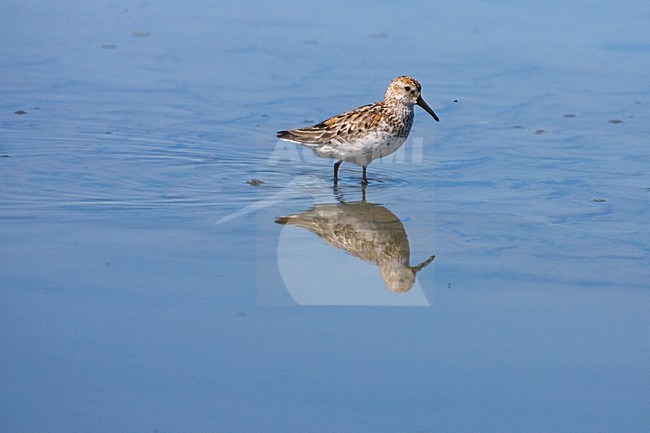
366, 133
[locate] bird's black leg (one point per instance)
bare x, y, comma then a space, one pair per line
364, 180
336, 170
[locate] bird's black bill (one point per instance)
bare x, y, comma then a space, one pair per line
428, 109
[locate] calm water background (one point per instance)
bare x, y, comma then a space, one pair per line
124, 307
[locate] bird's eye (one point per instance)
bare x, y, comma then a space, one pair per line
407, 88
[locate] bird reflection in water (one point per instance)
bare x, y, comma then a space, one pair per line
367, 231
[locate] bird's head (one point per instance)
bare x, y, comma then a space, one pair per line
407, 90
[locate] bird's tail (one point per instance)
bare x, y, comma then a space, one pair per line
285, 135
310, 137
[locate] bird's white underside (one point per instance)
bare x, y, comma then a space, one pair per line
361, 151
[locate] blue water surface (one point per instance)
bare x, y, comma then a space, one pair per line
145, 285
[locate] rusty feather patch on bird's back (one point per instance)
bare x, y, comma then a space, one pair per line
346, 126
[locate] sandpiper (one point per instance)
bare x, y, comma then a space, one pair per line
366, 133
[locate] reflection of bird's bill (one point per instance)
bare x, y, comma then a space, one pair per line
426, 107
422, 265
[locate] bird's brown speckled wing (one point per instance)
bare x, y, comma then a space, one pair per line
343, 127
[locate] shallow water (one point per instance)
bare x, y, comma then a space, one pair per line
145, 284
